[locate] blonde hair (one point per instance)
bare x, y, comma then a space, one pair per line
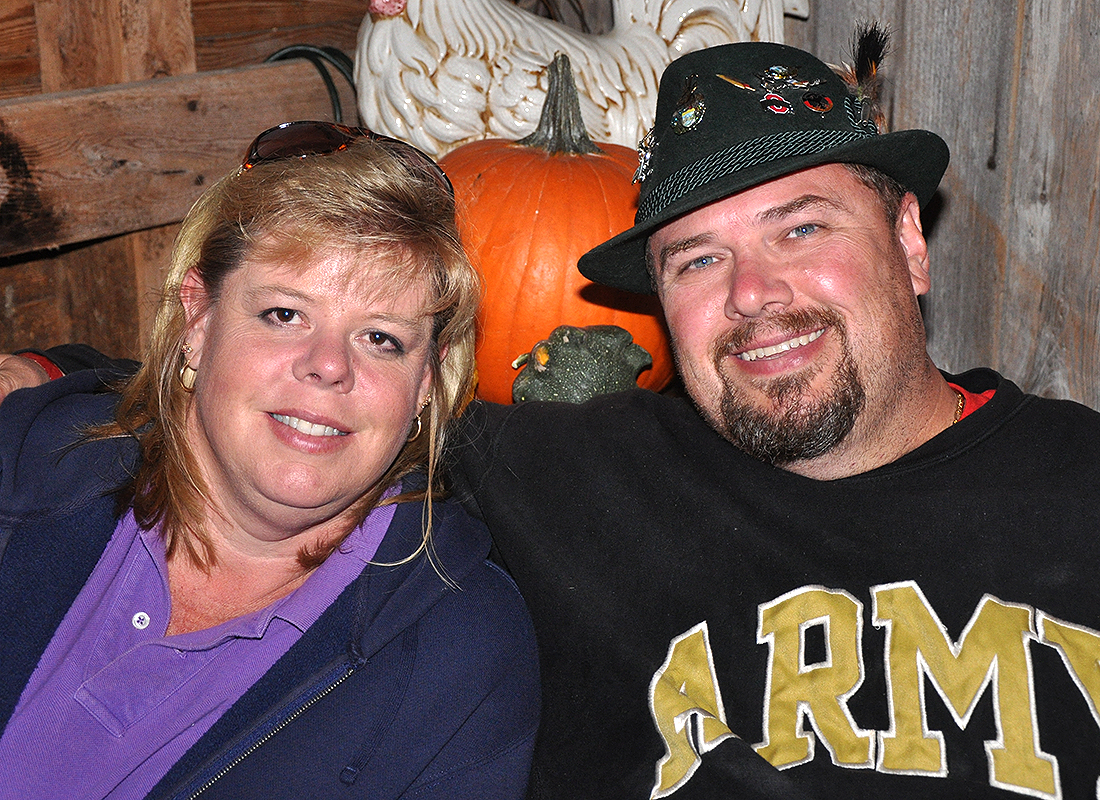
366, 198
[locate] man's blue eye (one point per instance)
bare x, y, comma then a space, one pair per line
803, 230
700, 262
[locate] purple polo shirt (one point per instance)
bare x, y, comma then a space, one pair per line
114, 703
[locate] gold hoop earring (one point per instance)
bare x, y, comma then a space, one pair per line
419, 427
187, 373
187, 377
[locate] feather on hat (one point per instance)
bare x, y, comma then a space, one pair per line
870, 46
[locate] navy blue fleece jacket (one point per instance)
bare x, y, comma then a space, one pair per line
405, 687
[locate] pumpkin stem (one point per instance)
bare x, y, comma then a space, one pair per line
561, 126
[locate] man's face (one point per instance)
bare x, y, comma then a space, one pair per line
793, 314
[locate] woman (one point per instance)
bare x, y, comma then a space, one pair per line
260, 597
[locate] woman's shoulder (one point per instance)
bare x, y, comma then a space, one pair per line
455, 563
46, 459
472, 591
460, 551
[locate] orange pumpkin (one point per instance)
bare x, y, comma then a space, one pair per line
527, 211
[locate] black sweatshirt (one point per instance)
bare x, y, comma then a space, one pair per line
925, 629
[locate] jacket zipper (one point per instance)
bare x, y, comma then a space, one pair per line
348, 670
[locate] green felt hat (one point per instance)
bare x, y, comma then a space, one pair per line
734, 116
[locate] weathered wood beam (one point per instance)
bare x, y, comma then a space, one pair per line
91, 163
107, 285
83, 43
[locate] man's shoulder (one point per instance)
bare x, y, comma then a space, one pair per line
1053, 439
1013, 400
634, 409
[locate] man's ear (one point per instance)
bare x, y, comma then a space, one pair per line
196, 312
913, 245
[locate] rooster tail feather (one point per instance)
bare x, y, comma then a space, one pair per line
870, 45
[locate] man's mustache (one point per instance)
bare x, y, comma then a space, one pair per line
794, 322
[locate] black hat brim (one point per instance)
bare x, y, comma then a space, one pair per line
916, 159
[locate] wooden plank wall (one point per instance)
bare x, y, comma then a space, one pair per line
103, 292
1010, 84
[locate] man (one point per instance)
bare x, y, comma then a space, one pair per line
877, 577
882, 602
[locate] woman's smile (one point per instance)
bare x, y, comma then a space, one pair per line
308, 428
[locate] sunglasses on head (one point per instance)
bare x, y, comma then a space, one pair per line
311, 138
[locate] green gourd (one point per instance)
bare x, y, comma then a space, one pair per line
574, 364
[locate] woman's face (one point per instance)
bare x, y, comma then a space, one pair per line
310, 377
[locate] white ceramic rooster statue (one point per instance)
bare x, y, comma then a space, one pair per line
440, 73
